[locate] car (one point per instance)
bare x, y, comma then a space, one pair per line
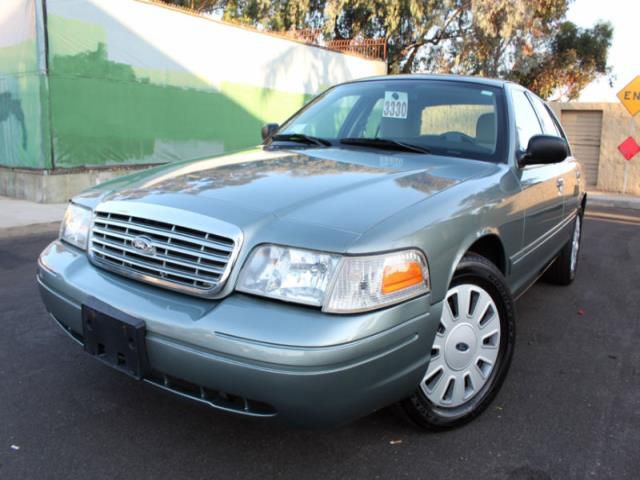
367, 254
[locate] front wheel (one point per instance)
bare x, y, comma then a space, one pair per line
472, 349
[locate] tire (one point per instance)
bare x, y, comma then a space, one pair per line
467, 349
563, 270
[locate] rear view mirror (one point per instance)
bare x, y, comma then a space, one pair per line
269, 130
543, 149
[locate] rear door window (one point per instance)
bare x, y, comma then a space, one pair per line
548, 125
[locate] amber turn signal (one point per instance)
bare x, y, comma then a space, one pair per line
400, 276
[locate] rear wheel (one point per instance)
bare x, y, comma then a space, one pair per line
472, 349
564, 268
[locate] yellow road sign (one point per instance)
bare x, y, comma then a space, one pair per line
630, 96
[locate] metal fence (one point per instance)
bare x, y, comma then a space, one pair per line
369, 47
373, 48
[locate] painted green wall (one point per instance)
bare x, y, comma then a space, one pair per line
110, 113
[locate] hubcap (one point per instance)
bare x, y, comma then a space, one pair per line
575, 245
465, 349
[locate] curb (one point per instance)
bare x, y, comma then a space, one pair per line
25, 230
608, 202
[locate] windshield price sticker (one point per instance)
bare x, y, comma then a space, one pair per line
396, 105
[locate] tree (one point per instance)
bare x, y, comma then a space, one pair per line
201, 6
530, 43
271, 15
573, 58
275, 15
494, 32
407, 25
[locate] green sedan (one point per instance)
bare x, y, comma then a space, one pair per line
367, 254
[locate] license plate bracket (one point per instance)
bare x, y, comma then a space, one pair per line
115, 338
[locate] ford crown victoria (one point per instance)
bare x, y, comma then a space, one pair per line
367, 254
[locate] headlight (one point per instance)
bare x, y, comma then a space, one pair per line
338, 284
290, 274
75, 226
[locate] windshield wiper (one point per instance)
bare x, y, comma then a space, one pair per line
301, 138
386, 143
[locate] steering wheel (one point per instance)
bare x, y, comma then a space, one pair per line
455, 136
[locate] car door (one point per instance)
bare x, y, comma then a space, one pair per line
569, 170
541, 195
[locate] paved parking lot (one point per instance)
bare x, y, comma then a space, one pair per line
570, 407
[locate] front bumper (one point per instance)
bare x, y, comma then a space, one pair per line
254, 356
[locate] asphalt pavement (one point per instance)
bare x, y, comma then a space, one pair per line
569, 409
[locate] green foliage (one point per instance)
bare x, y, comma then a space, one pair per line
527, 41
277, 15
497, 32
573, 58
197, 5
408, 25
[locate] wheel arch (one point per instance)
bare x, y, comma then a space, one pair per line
486, 243
490, 247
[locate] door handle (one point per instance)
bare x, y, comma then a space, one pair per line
560, 184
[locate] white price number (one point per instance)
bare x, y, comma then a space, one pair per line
396, 105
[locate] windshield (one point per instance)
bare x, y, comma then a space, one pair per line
461, 119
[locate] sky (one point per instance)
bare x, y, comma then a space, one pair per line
624, 15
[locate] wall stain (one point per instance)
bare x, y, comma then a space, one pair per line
12, 107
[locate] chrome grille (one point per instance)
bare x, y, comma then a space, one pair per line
177, 257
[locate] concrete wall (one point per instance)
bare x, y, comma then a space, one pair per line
55, 186
617, 125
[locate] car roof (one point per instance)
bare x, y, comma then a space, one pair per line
494, 82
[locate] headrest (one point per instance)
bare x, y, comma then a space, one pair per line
486, 128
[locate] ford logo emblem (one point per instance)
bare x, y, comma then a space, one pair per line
143, 245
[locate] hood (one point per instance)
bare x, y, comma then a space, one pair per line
343, 189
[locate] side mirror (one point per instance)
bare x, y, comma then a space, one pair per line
544, 149
269, 130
